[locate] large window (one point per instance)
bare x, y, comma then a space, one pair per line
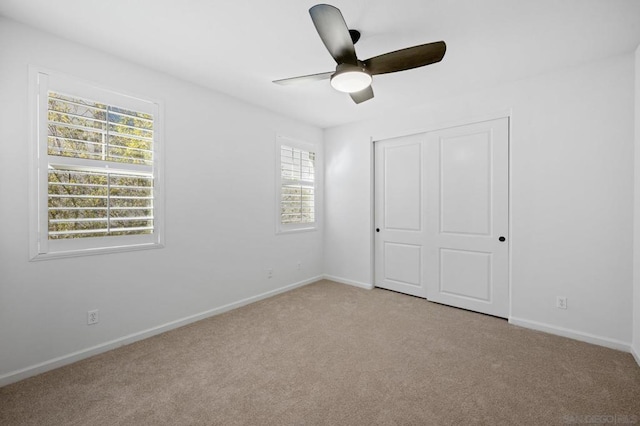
97, 185
297, 187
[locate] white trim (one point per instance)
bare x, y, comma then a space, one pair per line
636, 356
572, 334
40, 248
34, 165
96, 250
61, 361
510, 226
339, 280
372, 210
445, 124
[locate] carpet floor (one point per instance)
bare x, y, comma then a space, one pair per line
331, 354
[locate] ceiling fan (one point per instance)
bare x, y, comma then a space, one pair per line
352, 75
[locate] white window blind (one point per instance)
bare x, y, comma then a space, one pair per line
81, 128
297, 189
91, 204
97, 184
82, 201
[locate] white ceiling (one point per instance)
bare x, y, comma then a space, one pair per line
239, 46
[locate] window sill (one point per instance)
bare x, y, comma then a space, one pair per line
94, 251
296, 230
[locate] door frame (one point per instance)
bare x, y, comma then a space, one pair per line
441, 125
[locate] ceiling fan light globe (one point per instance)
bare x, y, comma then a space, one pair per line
351, 81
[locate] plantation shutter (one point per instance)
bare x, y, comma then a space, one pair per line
297, 192
100, 169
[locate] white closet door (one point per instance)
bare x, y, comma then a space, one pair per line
467, 217
441, 216
400, 215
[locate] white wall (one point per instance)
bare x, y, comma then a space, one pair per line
220, 216
571, 194
636, 231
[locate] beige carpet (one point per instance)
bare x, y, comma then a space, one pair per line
337, 355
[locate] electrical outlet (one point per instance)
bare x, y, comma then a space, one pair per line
92, 317
270, 273
561, 302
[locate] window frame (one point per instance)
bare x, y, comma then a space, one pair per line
287, 228
41, 81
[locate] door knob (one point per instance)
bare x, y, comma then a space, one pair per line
501, 239
377, 229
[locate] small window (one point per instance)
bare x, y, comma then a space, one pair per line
97, 184
297, 187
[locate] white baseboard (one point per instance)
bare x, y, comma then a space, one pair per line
572, 334
636, 355
348, 282
54, 363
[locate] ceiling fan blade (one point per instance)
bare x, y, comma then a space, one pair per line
304, 78
334, 33
406, 59
363, 95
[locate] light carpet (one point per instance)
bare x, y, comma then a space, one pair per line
330, 354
